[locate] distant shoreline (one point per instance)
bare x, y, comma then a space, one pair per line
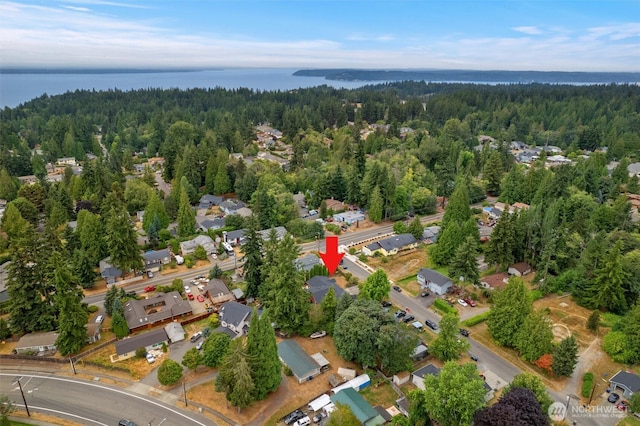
101, 70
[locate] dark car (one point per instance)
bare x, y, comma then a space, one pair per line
425, 294
464, 332
473, 357
432, 325
196, 336
125, 422
385, 304
400, 314
613, 398
398, 289
293, 416
321, 415
408, 318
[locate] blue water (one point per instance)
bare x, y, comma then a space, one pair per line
19, 88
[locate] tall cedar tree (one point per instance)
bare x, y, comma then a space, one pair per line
511, 306
122, 242
376, 205
118, 321
72, 317
376, 286
492, 173
252, 250
448, 345
234, 376
565, 357
607, 291
263, 356
534, 338
109, 299
83, 269
328, 306
186, 216
593, 322
155, 207
500, 246
91, 233
454, 223
465, 261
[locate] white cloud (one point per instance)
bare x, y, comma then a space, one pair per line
77, 9
107, 3
362, 37
528, 30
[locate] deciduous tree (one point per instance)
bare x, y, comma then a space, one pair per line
376, 286
215, 348
534, 384
343, 416
169, 372
519, 406
448, 345
192, 359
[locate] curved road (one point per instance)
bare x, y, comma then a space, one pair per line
92, 403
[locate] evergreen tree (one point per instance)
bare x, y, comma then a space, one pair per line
512, 186
222, 183
5, 331
263, 357
415, 228
500, 246
534, 338
210, 175
83, 269
118, 321
593, 322
376, 205
343, 304
155, 207
607, 288
455, 226
186, 216
91, 234
109, 299
153, 233
511, 306
465, 262
122, 242
565, 357
492, 173
328, 306
252, 250
8, 186
234, 376
14, 224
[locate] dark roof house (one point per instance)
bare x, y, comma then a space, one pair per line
218, 292
157, 309
109, 272
434, 281
392, 245
417, 377
208, 200
319, 287
126, 348
235, 316
154, 259
629, 383
307, 262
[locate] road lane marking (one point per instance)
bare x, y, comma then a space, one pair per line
64, 413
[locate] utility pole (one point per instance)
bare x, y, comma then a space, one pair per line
23, 398
184, 390
73, 366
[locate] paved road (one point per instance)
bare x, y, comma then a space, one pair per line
92, 403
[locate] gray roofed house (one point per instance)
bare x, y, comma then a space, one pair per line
204, 223
109, 272
126, 348
218, 292
154, 259
392, 245
175, 331
301, 364
40, 343
188, 247
208, 200
319, 287
417, 377
434, 281
629, 383
307, 262
634, 169
280, 233
231, 206
431, 233
160, 308
235, 316
234, 237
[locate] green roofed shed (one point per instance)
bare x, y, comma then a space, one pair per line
301, 364
360, 408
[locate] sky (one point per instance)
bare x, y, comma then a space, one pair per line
545, 35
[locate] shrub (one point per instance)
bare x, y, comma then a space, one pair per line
352, 250
92, 309
164, 347
200, 253
476, 319
332, 227
587, 384
474, 296
287, 371
189, 261
535, 295
443, 306
362, 258
476, 210
141, 352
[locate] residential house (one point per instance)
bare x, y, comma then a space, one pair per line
280, 233
392, 245
154, 259
93, 332
627, 382
207, 201
434, 281
109, 272
39, 344
519, 269
552, 149
27, 180
205, 223
495, 281
138, 168
319, 286
307, 262
334, 205
231, 206
175, 331
495, 213
66, 161
292, 355
126, 348
218, 292
634, 169
158, 309
4, 279
236, 317
403, 406
518, 145
420, 352
357, 383
430, 234
188, 247
267, 156
244, 212
364, 412
349, 217
234, 238
417, 377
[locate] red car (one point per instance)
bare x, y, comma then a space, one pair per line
200, 298
190, 296
149, 288
469, 301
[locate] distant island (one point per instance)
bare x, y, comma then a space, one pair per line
99, 70
473, 76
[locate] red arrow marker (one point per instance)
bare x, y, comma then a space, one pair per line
331, 258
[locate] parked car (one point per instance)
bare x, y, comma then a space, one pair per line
131, 293
464, 332
125, 422
469, 301
398, 289
313, 212
149, 288
432, 325
200, 298
318, 334
99, 319
196, 336
293, 416
399, 314
473, 357
199, 345
150, 358
305, 421
385, 304
318, 417
425, 294
613, 398
408, 318
190, 296
622, 406
462, 302
150, 274
187, 289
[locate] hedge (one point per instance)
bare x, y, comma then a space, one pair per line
444, 306
587, 384
476, 320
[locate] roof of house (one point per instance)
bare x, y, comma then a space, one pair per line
359, 407
383, 413
231, 205
236, 235
107, 270
156, 255
218, 291
174, 331
433, 276
420, 349
200, 240
46, 338
495, 280
397, 241
93, 328
349, 215
427, 369
521, 267
296, 358
160, 307
234, 313
307, 262
280, 233
211, 199
227, 331
630, 380
143, 340
207, 222
319, 287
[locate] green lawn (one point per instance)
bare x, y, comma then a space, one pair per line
629, 421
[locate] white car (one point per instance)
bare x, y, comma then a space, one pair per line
99, 319
151, 359
462, 302
187, 289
